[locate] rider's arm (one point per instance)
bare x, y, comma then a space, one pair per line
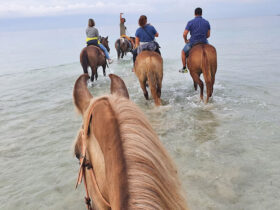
208, 34
137, 41
185, 34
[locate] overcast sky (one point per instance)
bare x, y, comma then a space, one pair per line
162, 8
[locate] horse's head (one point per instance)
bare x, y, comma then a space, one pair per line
91, 144
82, 98
105, 42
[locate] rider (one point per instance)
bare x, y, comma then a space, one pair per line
145, 37
123, 31
93, 38
199, 29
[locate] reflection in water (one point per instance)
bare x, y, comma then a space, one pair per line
205, 126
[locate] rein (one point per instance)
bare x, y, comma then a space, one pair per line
85, 164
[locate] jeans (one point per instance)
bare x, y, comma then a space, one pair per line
105, 50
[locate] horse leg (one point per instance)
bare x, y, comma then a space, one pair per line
96, 73
143, 86
92, 74
152, 80
104, 70
195, 85
159, 84
119, 52
122, 54
209, 90
197, 80
213, 82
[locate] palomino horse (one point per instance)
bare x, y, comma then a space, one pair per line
124, 165
123, 46
94, 57
149, 67
203, 59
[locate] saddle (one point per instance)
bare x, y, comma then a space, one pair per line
149, 46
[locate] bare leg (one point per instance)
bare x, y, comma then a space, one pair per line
183, 56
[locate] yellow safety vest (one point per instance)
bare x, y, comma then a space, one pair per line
93, 38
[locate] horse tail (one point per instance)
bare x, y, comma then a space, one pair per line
84, 60
153, 81
206, 70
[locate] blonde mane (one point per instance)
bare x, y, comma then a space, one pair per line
152, 177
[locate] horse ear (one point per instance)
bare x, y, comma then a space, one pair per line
106, 38
118, 86
81, 94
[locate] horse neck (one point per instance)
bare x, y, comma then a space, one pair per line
105, 128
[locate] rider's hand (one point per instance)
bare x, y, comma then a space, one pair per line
187, 41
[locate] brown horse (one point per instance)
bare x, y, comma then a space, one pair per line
203, 59
123, 163
123, 46
94, 57
149, 67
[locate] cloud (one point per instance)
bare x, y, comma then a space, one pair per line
45, 8
29, 8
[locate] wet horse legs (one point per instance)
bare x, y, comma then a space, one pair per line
143, 86
197, 80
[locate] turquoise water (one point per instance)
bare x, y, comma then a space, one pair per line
227, 152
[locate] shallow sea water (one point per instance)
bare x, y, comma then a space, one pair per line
227, 152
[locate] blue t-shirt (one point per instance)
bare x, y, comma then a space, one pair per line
147, 34
198, 28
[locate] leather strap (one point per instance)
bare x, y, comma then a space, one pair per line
83, 166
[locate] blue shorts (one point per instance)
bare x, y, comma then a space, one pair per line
187, 48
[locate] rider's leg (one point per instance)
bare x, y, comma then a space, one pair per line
184, 59
104, 50
184, 54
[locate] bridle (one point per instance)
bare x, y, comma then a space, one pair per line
85, 163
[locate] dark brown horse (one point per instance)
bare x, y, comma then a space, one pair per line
124, 46
94, 57
203, 59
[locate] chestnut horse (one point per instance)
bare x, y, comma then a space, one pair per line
124, 165
94, 57
149, 68
123, 46
203, 59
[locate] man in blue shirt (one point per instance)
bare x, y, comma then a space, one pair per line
199, 29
